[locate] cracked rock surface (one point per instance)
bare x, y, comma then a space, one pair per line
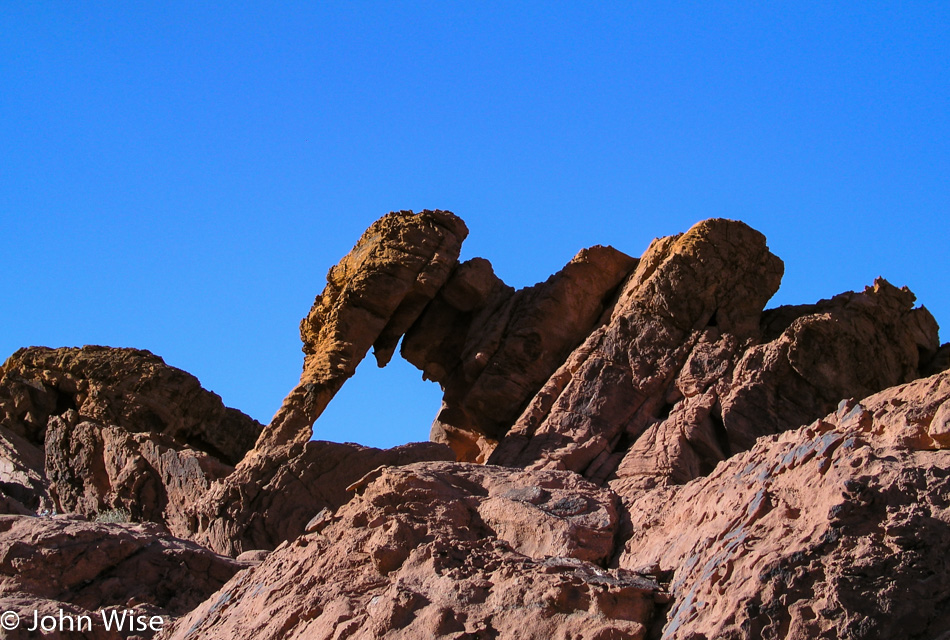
839, 529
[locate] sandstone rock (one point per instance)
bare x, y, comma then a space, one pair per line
128, 388
22, 478
492, 348
253, 557
83, 567
657, 385
278, 504
939, 361
689, 371
445, 551
716, 278
835, 530
850, 346
373, 295
92, 468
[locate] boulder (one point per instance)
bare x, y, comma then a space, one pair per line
128, 388
278, 504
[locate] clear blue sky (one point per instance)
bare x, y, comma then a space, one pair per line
180, 178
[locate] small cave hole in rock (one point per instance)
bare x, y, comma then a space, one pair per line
65, 402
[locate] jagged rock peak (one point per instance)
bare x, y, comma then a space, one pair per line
689, 370
715, 278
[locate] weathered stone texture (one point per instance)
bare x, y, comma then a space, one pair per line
840, 529
442, 550
491, 348
48, 563
129, 388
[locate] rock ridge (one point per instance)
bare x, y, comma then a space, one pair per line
619, 454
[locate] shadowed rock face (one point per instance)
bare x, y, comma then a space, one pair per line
491, 348
717, 276
93, 468
835, 530
725, 397
443, 550
315, 479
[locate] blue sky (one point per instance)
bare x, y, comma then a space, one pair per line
180, 178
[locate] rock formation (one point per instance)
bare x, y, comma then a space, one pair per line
93, 468
491, 348
839, 529
52, 563
129, 388
689, 371
121, 400
372, 297
650, 476
314, 480
443, 550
